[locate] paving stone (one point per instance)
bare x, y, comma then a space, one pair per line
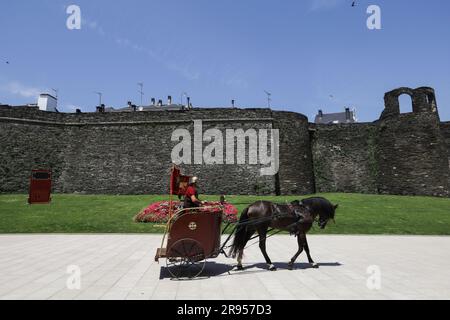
35, 267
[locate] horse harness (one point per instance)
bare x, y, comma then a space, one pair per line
293, 228
299, 216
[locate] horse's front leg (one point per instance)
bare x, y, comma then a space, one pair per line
262, 245
301, 238
311, 261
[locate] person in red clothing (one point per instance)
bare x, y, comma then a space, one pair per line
191, 196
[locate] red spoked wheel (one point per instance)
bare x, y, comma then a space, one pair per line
185, 259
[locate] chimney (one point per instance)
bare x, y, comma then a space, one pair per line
169, 100
131, 106
188, 102
347, 114
153, 102
47, 102
78, 111
160, 103
102, 108
321, 113
232, 103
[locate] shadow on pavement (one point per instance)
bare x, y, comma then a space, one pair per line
297, 266
212, 269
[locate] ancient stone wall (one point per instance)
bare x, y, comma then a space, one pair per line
411, 151
411, 156
344, 158
130, 152
295, 173
24, 147
445, 129
127, 153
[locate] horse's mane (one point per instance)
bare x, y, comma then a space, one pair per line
317, 204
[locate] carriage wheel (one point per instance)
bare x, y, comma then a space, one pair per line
186, 259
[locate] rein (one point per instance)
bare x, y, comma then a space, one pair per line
256, 221
268, 236
316, 219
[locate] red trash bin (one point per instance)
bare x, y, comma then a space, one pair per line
40, 186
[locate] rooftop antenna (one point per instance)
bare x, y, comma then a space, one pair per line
141, 90
269, 99
354, 114
100, 97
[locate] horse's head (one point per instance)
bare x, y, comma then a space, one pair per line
321, 210
326, 215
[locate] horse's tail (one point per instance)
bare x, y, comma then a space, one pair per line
240, 235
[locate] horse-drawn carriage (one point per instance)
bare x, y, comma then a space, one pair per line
194, 234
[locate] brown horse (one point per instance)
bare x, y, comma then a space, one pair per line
297, 218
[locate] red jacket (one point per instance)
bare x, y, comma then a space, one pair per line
190, 191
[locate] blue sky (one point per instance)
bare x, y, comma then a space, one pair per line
303, 52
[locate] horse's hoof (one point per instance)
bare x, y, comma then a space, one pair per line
315, 265
239, 268
290, 266
272, 268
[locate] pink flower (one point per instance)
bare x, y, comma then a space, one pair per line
159, 211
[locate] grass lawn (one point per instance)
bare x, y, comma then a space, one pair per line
357, 214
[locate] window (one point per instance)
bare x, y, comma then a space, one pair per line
405, 103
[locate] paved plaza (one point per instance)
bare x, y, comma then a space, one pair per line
123, 267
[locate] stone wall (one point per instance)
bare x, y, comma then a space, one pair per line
445, 129
24, 147
411, 156
344, 157
295, 173
124, 153
411, 151
130, 152
230, 178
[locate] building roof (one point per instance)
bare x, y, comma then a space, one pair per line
172, 107
338, 117
47, 95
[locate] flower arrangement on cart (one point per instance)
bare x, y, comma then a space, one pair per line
159, 212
